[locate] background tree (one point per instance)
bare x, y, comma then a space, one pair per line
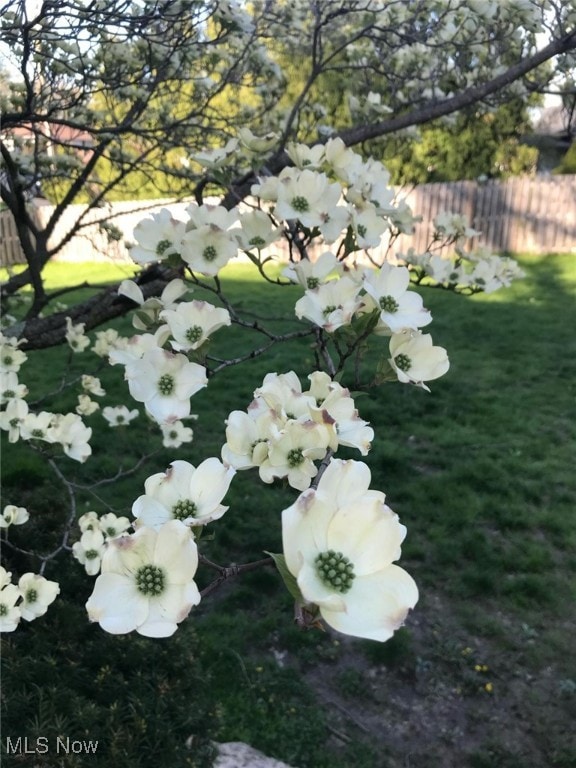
146, 86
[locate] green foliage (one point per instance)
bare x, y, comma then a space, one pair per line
568, 162
474, 144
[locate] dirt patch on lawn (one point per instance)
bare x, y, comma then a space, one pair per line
438, 696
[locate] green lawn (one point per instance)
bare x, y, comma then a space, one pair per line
480, 471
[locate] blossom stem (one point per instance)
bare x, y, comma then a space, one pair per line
227, 572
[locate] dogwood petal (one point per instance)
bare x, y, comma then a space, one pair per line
376, 605
116, 604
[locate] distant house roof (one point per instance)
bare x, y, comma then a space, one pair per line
55, 132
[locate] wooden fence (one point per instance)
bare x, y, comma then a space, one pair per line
523, 214
528, 214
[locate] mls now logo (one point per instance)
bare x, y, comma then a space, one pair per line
22, 745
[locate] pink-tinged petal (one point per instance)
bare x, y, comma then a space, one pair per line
126, 554
315, 591
176, 552
209, 484
376, 606
344, 481
116, 604
304, 530
368, 533
171, 486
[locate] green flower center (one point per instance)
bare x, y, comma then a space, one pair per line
257, 241
166, 384
8, 393
37, 433
389, 304
295, 457
209, 253
14, 422
162, 247
173, 434
194, 334
300, 204
183, 509
335, 570
111, 532
361, 229
120, 419
8, 360
3, 609
312, 282
91, 554
328, 310
403, 362
31, 596
150, 580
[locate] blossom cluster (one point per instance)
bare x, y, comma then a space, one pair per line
31, 597
152, 569
67, 430
95, 533
478, 270
340, 539
286, 430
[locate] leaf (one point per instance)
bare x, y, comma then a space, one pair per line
289, 580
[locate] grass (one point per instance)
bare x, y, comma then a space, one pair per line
480, 471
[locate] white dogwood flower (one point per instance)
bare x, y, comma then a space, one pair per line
13, 515
9, 595
165, 382
330, 305
176, 434
157, 237
75, 336
92, 385
191, 323
256, 231
184, 492
335, 400
10, 388
147, 582
340, 543
247, 439
11, 358
415, 360
399, 308
111, 525
38, 426
311, 274
119, 415
306, 195
293, 452
12, 418
70, 431
86, 406
89, 550
37, 594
